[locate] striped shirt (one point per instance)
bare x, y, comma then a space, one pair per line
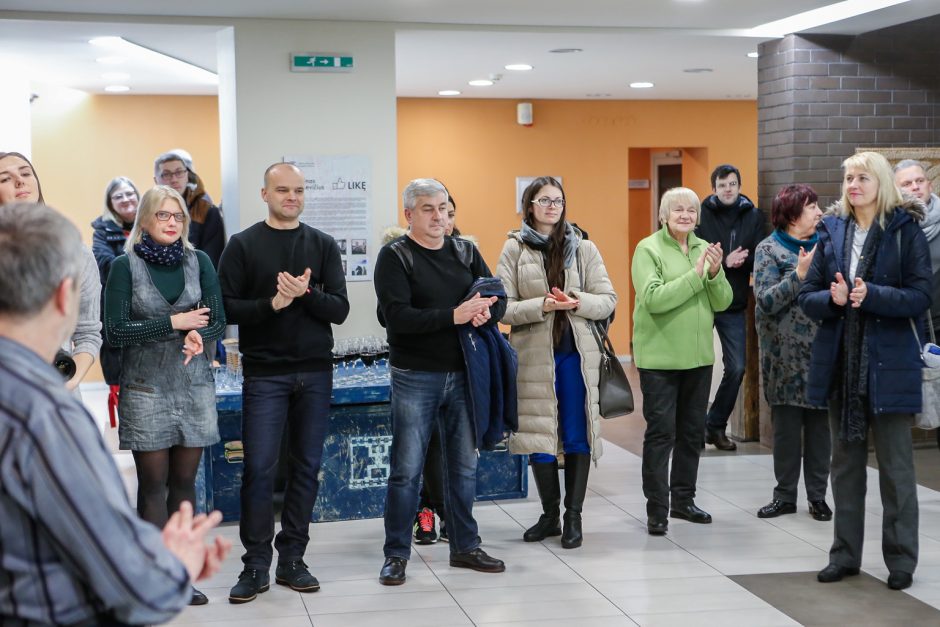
72, 551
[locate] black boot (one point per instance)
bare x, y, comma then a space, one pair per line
546, 481
577, 468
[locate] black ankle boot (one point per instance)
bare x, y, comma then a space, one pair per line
546, 482
577, 468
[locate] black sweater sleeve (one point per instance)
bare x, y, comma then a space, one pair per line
328, 301
393, 290
233, 280
480, 269
212, 239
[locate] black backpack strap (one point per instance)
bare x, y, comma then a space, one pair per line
400, 247
464, 250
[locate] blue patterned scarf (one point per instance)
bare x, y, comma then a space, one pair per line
158, 254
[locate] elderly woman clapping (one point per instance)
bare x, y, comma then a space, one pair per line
679, 285
785, 335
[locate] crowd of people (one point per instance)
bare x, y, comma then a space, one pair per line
836, 295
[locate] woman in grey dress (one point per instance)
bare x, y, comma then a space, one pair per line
162, 305
785, 335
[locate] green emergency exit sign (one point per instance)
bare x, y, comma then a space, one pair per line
320, 62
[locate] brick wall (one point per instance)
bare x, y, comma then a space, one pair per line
822, 96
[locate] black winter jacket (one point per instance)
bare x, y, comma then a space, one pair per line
899, 291
741, 224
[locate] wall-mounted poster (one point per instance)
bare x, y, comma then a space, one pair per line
337, 201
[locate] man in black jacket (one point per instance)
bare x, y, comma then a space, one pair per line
283, 285
729, 217
420, 281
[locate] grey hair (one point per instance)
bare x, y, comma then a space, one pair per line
39, 248
676, 195
909, 163
173, 155
421, 187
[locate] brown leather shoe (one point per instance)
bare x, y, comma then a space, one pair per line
719, 440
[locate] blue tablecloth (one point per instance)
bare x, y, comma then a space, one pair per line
355, 467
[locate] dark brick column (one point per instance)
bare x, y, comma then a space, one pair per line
822, 96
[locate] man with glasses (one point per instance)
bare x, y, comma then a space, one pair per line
206, 231
729, 217
421, 281
283, 285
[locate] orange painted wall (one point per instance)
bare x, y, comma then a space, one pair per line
476, 148
80, 145
81, 142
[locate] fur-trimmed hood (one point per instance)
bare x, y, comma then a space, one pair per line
912, 206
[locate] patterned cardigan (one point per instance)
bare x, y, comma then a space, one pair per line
784, 333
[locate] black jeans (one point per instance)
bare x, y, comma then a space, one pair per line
300, 401
801, 435
674, 404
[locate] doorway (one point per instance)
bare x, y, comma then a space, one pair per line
666, 170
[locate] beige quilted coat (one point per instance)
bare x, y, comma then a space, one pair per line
523, 274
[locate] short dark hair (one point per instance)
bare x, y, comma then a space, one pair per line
788, 204
724, 171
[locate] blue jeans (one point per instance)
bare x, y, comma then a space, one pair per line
572, 399
422, 401
732, 335
302, 402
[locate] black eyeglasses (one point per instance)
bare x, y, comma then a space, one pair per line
166, 175
547, 202
164, 216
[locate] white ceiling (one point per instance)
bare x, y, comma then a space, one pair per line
444, 43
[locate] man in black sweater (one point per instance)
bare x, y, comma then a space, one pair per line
420, 280
283, 284
729, 217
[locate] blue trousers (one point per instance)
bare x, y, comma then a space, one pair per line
423, 401
733, 336
572, 407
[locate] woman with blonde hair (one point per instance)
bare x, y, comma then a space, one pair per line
162, 304
557, 287
869, 284
680, 284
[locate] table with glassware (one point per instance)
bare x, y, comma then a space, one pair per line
355, 467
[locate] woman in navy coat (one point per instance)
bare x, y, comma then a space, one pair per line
869, 278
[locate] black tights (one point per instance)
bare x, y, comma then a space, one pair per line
165, 479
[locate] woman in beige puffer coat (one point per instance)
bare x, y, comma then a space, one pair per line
557, 286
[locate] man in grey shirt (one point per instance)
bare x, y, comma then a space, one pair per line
72, 551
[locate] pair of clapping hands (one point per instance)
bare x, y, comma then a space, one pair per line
711, 259
191, 321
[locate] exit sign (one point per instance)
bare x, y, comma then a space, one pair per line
320, 62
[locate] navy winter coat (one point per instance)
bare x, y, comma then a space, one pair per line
898, 291
491, 373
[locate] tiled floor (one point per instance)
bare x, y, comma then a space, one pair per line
621, 576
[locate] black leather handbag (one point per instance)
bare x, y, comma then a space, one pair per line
615, 395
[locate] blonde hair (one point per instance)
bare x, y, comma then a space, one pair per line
150, 204
679, 195
875, 164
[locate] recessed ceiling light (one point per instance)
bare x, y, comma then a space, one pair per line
115, 76
116, 89
448, 92
752, 55
481, 82
641, 85
566, 50
104, 41
697, 70
519, 67
110, 60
